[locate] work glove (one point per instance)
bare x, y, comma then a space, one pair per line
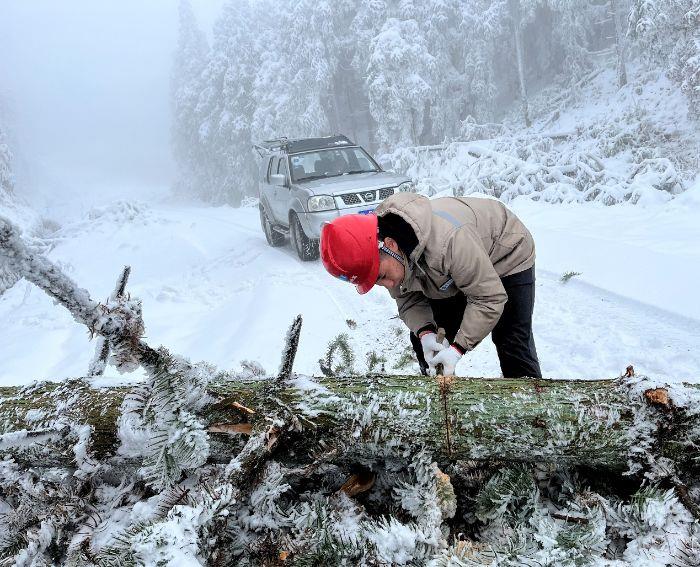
448, 357
430, 345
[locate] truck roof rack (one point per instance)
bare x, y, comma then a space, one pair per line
271, 145
302, 144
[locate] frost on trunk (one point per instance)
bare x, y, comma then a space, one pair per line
514, 6
195, 466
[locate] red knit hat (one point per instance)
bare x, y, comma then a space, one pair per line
350, 250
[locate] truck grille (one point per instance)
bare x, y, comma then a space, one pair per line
366, 196
350, 199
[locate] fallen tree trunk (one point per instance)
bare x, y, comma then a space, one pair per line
615, 425
606, 424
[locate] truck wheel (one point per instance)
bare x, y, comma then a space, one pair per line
306, 248
273, 237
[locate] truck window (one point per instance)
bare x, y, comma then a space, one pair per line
282, 167
269, 169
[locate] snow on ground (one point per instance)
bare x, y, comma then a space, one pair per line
212, 289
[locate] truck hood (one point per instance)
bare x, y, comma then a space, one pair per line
354, 182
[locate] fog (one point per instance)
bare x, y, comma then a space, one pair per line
85, 86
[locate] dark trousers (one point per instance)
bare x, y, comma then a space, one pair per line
512, 335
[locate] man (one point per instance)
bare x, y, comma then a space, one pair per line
465, 264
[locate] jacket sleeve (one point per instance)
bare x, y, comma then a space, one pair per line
414, 309
473, 273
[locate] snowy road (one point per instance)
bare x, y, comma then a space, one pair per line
212, 289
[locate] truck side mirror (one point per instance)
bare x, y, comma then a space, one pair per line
278, 179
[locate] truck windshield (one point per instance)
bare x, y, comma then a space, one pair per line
330, 163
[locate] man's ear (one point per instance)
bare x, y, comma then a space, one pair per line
391, 244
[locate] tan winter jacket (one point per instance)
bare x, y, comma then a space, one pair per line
465, 245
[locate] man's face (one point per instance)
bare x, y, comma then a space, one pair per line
391, 271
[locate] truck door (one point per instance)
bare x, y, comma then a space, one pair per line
283, 194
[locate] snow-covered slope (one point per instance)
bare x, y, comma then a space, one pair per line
212, 289
594, 143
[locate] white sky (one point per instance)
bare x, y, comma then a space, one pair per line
87, 87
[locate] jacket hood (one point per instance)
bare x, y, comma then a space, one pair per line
416, 211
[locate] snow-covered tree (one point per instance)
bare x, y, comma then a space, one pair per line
668, 33
572, 27
186, 85
685, 67
7, 180
449, 86
398, 78
293, 85
484, 27
226, 105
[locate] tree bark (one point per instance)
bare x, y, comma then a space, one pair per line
605, 424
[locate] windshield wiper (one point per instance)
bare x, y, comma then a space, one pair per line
311, 178
325, 176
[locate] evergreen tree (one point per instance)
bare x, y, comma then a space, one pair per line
350, 101
572, 26
186, 85
293, 81
668, 33
227, 105
398, 79
369, 17
7, 180
484, 25
449, 87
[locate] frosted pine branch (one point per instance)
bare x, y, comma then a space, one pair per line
46, 275
99, 361
291, 344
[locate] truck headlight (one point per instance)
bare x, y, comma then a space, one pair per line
320, 203
407, 187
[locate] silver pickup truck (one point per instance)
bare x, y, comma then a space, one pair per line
306, 182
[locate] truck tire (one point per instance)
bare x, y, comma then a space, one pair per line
273, 237
305, 247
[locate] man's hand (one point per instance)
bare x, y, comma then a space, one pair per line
431, 347
448, 357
